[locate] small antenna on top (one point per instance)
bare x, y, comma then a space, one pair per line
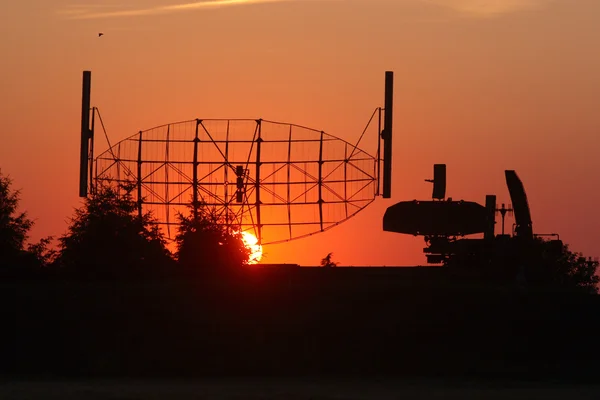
439, 181
503, 210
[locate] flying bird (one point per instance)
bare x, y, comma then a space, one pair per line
100, 34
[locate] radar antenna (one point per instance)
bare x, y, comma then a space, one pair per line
503, 210
278, 181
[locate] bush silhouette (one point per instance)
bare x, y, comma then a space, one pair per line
205, 241
326, 261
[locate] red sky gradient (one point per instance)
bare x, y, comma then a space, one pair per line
481, 85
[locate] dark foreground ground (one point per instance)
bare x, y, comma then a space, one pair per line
290, 389
407, 332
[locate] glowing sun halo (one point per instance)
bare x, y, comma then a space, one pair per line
255, 249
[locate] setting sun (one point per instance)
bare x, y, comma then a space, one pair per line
251, 242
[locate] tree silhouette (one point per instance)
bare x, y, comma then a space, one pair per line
14, 232
555, 264
14, 226
42, 252
108, 238
326, 261
205, 241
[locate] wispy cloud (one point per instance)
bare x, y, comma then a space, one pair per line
95, 12
78, 9
476, 8
489, 8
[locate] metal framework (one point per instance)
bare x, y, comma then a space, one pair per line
279, 181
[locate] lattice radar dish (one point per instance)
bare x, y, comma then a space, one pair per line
280, 181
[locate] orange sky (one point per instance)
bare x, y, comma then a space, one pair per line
481, 85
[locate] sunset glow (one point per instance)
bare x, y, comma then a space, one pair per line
251, 243
480, 85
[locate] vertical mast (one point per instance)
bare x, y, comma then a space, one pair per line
387, 134
87, 135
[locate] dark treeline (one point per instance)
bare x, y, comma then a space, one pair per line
107, 238
111, 301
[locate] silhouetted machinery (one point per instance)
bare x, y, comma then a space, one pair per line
443, 223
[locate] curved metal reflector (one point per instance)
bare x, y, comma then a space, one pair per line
293, 181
